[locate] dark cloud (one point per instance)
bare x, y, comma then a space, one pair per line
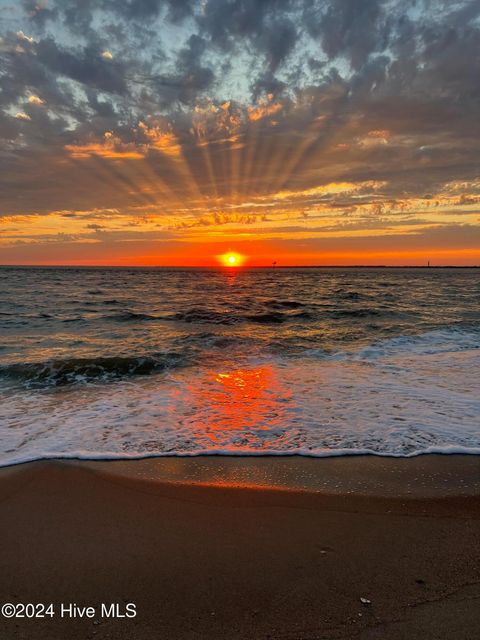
39, 14
177, 10
278, 41
351, 29
184, 106
139, 8
223, 19
86, 66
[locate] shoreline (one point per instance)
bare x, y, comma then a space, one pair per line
420, 476
217, 559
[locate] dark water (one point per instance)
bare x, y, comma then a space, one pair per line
56, 323
71, 335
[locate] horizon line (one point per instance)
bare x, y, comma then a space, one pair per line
233, 268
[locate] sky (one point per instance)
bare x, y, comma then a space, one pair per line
305, 132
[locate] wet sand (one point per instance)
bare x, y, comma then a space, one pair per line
245, 548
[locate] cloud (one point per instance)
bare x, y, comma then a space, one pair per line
34, 99
265, 107
21, 36
239, 106
84, 65
354, 30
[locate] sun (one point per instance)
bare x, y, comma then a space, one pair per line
231, 259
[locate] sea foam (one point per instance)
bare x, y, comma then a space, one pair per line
402, 396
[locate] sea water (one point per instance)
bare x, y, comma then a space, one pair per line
125, 363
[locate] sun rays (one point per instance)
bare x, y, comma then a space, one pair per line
258, 173
214, 166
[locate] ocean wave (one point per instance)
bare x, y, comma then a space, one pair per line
15, 458
55, 373
213, 341
272, 317
317, 363
437, 341
449, 339
346, 294
400, 397
207, 316
365, 312
284, 304
131, 316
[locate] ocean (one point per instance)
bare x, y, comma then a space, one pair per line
128, 363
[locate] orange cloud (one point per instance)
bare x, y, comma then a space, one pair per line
111, 148
331, 188
163, 140
33, 99
264, 109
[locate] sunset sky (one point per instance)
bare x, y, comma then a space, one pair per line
169, 132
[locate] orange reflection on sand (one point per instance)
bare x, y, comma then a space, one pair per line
251, 402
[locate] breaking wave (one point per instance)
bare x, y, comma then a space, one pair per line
55, 373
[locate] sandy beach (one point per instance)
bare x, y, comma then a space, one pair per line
239, 320
225, 556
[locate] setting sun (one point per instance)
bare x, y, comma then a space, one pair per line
231, 259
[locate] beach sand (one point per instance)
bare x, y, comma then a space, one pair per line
245, 548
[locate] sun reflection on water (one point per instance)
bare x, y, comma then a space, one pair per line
252, 402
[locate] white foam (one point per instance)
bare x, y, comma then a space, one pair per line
402, 397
